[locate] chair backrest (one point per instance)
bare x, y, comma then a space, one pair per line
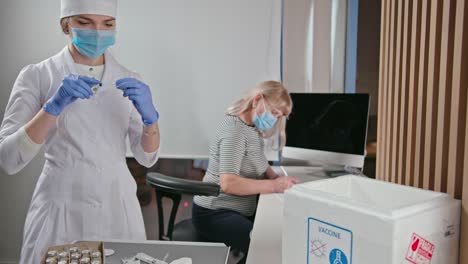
173, 188
181, 186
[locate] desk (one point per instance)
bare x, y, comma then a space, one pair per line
199, 252
265, 242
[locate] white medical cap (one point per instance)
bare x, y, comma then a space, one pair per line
92, 7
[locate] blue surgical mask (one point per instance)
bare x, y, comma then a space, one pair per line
266, 121
92, 43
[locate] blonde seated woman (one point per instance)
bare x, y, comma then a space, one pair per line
238, 164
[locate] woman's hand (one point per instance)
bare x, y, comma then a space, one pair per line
72, 87
140, 95
282, 183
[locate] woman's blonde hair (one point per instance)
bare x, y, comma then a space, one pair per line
276, 96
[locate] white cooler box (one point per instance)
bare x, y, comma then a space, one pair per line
356, 220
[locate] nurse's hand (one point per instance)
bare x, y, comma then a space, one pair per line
140, 95
282, 183
72, 88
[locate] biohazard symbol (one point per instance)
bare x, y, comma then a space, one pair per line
318, 248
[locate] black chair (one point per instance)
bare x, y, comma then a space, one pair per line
173, 188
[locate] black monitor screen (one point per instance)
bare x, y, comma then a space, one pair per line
328, 122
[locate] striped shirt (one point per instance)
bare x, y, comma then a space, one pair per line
237, 149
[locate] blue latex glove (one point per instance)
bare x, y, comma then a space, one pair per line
140, 95
72, 87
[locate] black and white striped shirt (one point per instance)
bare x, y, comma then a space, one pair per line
237, 149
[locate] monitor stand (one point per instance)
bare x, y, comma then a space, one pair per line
330, 170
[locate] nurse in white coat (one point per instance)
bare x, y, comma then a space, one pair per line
81, 106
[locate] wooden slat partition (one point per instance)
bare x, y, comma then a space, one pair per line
405, 65
396, 90
423, 110
382, 81
458, 105
389, 91
444, 97
432, 89
412, 95
421, 94
462, 26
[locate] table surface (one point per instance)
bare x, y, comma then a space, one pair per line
199, 252
265, 243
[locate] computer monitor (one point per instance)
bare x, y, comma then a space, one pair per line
327, 129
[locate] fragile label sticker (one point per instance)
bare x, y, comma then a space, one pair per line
420, 250
328, 243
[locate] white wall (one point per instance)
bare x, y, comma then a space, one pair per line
295, 41
314, 45
198, 57
338, 46
16, 51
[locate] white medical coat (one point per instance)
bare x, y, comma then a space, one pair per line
85, 190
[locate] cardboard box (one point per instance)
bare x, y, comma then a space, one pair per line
93, 246
352, 219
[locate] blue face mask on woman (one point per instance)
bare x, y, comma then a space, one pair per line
92, 43
266, 121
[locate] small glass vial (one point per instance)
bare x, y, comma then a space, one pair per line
63, 255
73, 250
74, 261
75, 255
51, 260
52, 253
96, 261
96, 254
63, 261
85, 252
85, 260
95, 88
